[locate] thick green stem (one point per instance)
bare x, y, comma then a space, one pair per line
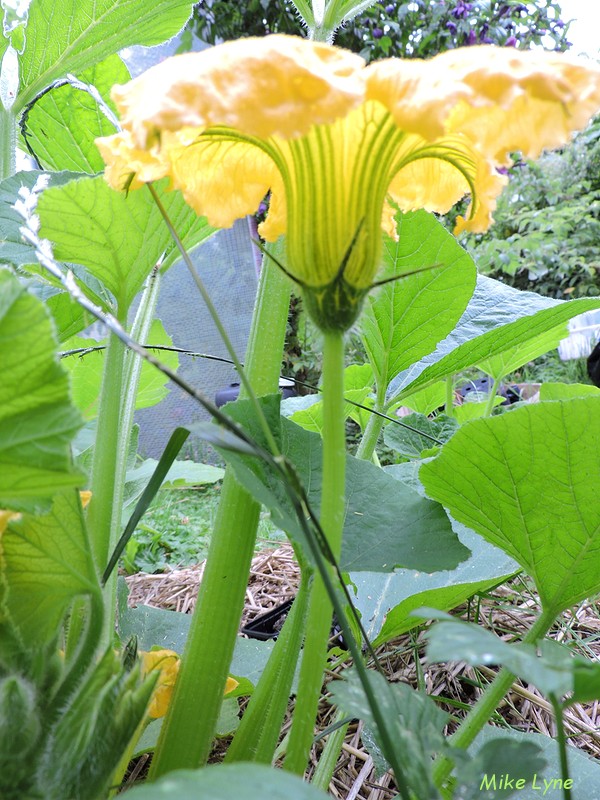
187, 732
257, 737
332, 520
8, 143
483, 709
102, 522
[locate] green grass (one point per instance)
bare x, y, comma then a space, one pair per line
176, 530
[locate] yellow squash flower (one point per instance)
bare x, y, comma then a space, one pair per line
335, 140
167, 662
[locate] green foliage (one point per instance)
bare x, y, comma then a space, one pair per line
397, 28
547, 223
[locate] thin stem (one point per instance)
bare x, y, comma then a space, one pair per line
483, 709
187, 732
8, 143
332, 519
489, 406
331, 752
561, 741
449, 408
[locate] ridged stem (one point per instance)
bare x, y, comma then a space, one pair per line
187, 732
332, 520
8, 143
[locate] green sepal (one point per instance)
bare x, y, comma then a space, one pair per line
336, 306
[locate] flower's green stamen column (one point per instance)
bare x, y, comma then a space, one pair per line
332, 521
188, 730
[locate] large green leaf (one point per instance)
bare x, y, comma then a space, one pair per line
386, 523
37, 419
405, 319
526, 481
481, 777
118, 238
68, 36
387, 601
497, 320
227, 781
47, 562
62, 125
13, 248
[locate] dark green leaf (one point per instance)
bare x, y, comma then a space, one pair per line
386, 524
480, 778
410, 441
416, 724
386, 601
496, 321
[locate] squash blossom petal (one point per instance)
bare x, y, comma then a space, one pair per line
167, 663
335, 141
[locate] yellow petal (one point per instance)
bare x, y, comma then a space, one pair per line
417, 95
260, 86
128, 165
230, 685
221, 179
167, 662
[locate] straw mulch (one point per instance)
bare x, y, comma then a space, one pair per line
274, 578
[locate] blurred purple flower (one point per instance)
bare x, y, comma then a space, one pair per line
377, 33
511, 41
472, 37
451, 26
390, 9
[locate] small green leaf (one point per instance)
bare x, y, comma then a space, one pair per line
524, 481
68, 36
358, 385
224, 781
118, 238
37, 419
405, 319
515, 357
423, 434
479, 778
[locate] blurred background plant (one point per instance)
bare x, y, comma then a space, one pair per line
414, 29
